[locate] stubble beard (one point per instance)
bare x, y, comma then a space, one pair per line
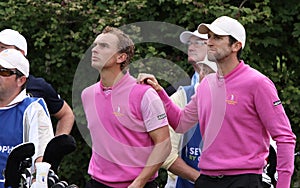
216, 57
212, 57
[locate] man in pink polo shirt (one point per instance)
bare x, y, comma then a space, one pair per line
127, 121
238, 109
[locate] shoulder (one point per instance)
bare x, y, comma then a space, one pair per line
254, 82
32, 80
253, 76
36, 104
142, 92
260, 79
39, 87
37, 100
89, 94
89, 90
140, 89
252, 73
26, 102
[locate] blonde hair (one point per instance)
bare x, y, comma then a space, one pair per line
125, 44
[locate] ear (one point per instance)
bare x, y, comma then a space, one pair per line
236, 46
121, 57
21, 81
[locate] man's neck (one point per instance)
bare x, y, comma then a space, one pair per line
228, 64
110, 78
6, 99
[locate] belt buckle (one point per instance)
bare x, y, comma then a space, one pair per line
219, 176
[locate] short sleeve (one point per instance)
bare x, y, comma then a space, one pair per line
38, 87
153, 111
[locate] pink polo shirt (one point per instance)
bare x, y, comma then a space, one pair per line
119, 122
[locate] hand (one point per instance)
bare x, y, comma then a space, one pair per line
134, 184
144, 78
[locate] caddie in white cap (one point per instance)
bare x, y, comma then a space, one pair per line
196, 45
11, 37
38, 87
12, 59
14, 70
22, 118
196, 50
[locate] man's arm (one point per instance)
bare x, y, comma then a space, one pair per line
175, 140
38, 128
65, 119
180, 168
158, 155
275, 120
180, 120
58, 108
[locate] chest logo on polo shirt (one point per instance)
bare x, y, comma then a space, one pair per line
118, 112
231, 99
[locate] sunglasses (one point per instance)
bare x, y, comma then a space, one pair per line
7, 72
197, 42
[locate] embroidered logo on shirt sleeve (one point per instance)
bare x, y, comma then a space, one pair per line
276, 103
161, 116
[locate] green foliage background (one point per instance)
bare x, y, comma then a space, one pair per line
59, 33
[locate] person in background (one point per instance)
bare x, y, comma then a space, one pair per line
38, 87
127, 121
22, 118
188, 145
238, 110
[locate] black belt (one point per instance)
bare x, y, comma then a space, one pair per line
97, 184
217, 177
228, 176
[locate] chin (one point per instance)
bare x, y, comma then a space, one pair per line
96, 66
211, 57
191, 61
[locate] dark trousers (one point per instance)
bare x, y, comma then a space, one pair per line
233, 181
94, 184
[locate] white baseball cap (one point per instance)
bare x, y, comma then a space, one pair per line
225, 25
185, 36
12, 37
210, 64
14, 59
